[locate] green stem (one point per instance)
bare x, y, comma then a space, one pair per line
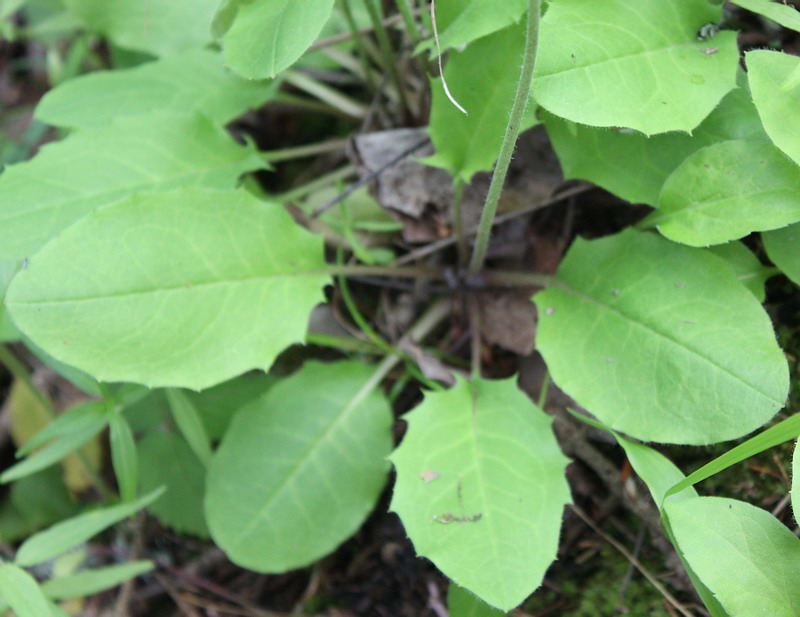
388, 53
342, 343
509, 141
360, 49
299, 152
18, 370
321, 182
326, 94
412, 28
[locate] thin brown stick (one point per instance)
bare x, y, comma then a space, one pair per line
636, 563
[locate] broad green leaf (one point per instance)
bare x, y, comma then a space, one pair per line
8, 332
90, 582
191, 81
224, 17
745, 556
77, 378
747, 267
796, 482
22, 592
783, 431
462, 21
606, 156
481, 489
221, 283
40, 499
268, 36
190, 424
300, 469
660, 341
783, 249
92, 168
658, 472
727, 190
218, 405
462, 603
123, 455
63, 536
786, 16
774, 82
604, 64
165, 459
158, 27
483, 79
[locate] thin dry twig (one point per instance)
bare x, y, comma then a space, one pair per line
636, 563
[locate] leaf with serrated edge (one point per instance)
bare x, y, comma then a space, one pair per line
158, 27
186, 288
462, 21
165, 459
727, 190
596, 67
481, 489
268, 36
65, 535
660, 341
786, 16
22, 592
777, 97
93, 168
744, 555
783, 249
606, 156
299, 470
483, 79
191, 81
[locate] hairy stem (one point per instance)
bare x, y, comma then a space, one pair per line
509, 142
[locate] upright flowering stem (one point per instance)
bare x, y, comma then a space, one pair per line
510, 140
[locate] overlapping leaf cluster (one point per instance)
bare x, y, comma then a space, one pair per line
132, 253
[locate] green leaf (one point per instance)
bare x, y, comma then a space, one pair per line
462, 21
748, 269
658, 472
606, 156
783, 431
54, 452
596, 67
796, 482
90, 582
727, 190
165, 459
221, 283
92, 168
8, 332
786, 16
268, 36
190, 424
83, 418
299, 470
776, 93
483, 79
224, 17
22, 592
462, 603
40, 499
158, 27
123, 455
783, 249
481, 489
191, 81
61, 537
745, 556
660, 341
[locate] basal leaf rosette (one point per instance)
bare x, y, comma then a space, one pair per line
660, 341
481, 488
183, 288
